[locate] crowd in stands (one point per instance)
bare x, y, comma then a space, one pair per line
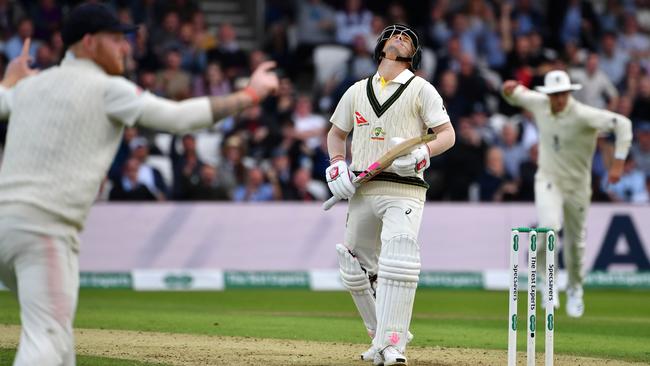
277, 151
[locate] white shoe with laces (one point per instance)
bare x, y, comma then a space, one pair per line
369, 354
390, 356
575, 305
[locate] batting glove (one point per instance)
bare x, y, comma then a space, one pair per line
339, 180
413, 163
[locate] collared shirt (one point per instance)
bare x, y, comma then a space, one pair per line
404, 107
567, 139
65, 126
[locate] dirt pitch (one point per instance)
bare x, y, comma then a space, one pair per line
194, 350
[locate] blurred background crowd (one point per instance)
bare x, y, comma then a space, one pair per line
276, 151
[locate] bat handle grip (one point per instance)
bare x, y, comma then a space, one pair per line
329, 203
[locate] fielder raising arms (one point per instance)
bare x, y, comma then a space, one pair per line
65, 125
567, 140
380, 249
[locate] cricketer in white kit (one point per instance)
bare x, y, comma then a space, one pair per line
65, 125
380, 251
568, 131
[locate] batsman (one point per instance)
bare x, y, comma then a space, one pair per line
567, 140
380, 257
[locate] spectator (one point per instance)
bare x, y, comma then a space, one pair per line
309, 126
172, 81
632, 186
635, 43
193, 57
641, 148
256, 189
281, 165
10, 12
377, 25
185, 166
527, 171
354, 20
579, 24
472, 84
464, 162
514, 153
128, 187
14, 45
597, 90
44, 57
47, 17
166, 36
212, 82
122, 155
231, 170
641, 107
206, 187
315, 25
437, 32
526, 18
612, 59
147, 174
56, 42
203, 38
456, 103
495, 184
300, 190
397, 14
228, 53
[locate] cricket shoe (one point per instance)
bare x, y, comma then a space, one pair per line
390, 356
575, 306
369, 355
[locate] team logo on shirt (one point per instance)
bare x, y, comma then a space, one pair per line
360, 120
378, 134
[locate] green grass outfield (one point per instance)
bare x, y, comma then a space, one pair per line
616, 324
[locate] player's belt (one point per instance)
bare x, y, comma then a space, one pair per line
396, 178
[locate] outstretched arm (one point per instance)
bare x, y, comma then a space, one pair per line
518, 95
127, 104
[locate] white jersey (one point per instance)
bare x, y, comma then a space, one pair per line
65, 126
567, 140
405, 107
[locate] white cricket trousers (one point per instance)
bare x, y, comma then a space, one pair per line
42, 270
564, 204
375, 219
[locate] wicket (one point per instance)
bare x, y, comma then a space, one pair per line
532, 294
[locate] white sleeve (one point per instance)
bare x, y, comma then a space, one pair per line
175, 117
123, 100
128, 104
525, 98
432, 108
6, 99
604, 120
342, 116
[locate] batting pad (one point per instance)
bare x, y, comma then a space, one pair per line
356, 280
399, 271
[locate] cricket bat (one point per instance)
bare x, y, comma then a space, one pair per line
384, 162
